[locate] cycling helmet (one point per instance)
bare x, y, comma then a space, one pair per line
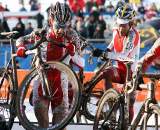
61, 13
125, 14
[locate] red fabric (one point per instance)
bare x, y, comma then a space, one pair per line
100, 2
54, 52
55, 85
2, 8
21, 52
76, 5
151, 57
71, 49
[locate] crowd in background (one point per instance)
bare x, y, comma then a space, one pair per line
88, 17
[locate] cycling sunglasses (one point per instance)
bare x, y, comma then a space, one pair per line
58, 26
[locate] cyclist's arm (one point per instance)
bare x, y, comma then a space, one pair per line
111, 44
77, 59
22, 41
74, 38
151, 55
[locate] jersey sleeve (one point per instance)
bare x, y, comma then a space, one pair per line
74, 38
23, 41
110, 47
151, 55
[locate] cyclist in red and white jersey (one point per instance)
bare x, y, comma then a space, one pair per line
59, 18
125, 42
152, 55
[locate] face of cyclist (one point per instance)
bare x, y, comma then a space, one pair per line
57, 29
124, 29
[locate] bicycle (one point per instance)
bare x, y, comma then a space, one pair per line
90, 94
9, 85
114, 106
40, 70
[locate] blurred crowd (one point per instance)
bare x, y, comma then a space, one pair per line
88, 17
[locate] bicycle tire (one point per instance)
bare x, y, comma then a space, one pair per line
110, 97
26, 123
154, 110
90, 104
7, 102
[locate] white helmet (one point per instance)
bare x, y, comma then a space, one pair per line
125, 14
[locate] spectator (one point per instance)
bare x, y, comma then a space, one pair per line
95, 13
22, 24
34, 5
20, 27
80, 25
39, 18
100, 28
151, 12
110, 8
76, 5
23, 9
88, 6
17, 64
100, 2
29, 29
1, 26
141, 9
1, 7
91, 26
5, 25
6, 8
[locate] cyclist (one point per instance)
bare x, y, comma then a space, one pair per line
152, 55
125, 42
59, 18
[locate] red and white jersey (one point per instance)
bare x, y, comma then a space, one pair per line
151, 55
127, 46
49, 51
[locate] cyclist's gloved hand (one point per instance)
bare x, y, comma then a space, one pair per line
97, 52
137, 76
138, 67
21, 52
71, 49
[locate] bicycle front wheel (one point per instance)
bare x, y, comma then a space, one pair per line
110, 112
26, 113
152, 119
90, 103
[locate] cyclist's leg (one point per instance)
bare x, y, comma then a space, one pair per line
110, 75
41, 111
40, 104
122, 75
131, 107
60, 104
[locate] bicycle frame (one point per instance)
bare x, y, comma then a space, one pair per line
12, 71
150, 99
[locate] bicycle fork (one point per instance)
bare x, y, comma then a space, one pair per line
45, 85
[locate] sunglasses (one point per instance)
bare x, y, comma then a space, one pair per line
58, 26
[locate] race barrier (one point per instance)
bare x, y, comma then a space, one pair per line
140, 95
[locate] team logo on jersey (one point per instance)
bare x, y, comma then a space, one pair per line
129, 46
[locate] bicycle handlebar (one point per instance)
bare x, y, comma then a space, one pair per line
135, 84
8, 33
